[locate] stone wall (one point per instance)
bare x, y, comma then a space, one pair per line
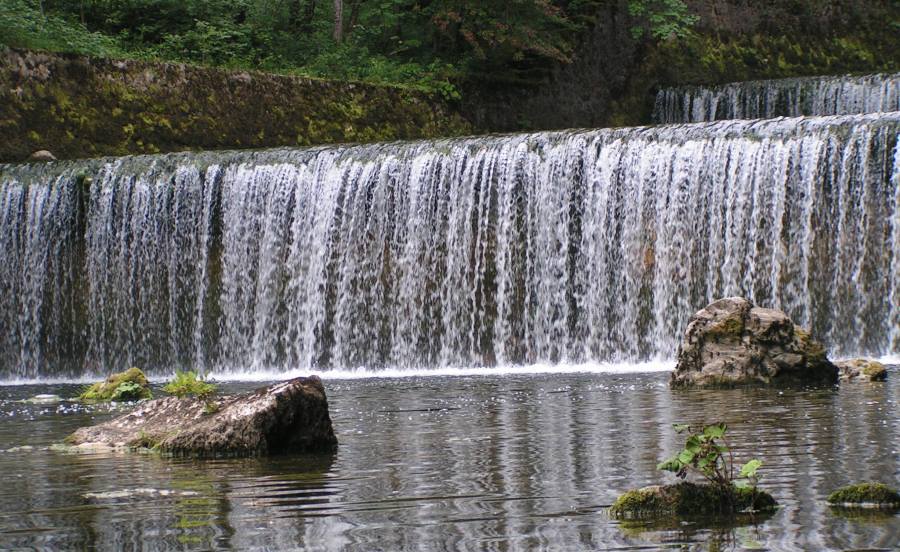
83, 107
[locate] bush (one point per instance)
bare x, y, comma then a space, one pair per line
188, 384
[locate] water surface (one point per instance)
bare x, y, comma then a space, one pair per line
512, 462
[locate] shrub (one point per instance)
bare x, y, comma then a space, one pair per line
188, 384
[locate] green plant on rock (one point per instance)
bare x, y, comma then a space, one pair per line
130, 385
706, 453
189, 384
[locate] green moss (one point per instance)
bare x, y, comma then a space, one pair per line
690, 499
99, 107
130, 385
865, 493
731, 327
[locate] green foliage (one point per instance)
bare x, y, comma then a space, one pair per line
706, 453
130, 385
430, 45
661, 18
188, 384
23, 25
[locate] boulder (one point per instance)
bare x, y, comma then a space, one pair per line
41, 156
291, 416
861, 369
130, 385
690, 499
865, 495
732, 342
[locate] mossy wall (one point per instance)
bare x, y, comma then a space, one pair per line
84, 107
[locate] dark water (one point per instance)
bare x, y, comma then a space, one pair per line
466, 463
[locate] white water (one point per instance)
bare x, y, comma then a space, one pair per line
548, 251
765, 99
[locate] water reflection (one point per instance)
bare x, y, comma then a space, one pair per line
477, 463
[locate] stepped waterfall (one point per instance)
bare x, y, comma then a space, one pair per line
810, 96
554, 247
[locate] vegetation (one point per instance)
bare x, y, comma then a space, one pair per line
706, 453
188, 384
727, 490
431, 45
130, 385
865, 494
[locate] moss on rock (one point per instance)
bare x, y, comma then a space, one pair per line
690, 499
861, 369
82, 107
130, 385
865, 494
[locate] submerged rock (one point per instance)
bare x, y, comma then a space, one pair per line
861, 369
690, 499
291, 416
41, 156
44, 399
871, 495
732, 342
130, 385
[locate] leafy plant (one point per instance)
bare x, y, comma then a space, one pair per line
706, 453
189, 384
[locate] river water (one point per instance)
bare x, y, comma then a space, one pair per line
485, 461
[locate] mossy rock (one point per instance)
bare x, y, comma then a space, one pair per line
861, 369
690, 499
871, 495
130, 385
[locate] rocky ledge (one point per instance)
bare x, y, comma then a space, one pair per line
732, 342
291, 416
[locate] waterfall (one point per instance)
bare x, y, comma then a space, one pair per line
575, 246
811, 96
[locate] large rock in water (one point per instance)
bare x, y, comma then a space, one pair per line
732, 342
286, 417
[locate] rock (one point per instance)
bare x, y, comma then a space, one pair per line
870, 495
732, 342
44, 399
687, 499
861, 369
41, 156
130, 385
291, 416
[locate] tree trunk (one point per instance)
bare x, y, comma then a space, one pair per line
355, 6
338, 21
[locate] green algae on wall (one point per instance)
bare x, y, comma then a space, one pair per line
80, 107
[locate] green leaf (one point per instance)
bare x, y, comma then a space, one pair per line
686, 457
715, 431
692, 444
741, 484
681, 428
749, 469
671, 465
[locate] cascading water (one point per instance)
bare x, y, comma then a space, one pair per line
815, 96
554, 247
